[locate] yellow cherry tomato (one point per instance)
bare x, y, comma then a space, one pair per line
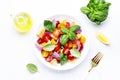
23, 22
82, 39
61, 25
44, 53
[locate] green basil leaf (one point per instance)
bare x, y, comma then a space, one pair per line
63, 39
32, 68
64, 30
49, 47
91, 17
63, 59
96, 1
71, 35
103, 6
74, 28
75, 52
101, 1
85, 10
49, 25
100, 15
97, 22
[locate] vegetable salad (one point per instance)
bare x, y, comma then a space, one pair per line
60, 41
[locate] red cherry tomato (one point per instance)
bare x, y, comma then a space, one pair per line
81, 47
66, 51
56, 33
70, 57
40, 40
67, 25
57, 47
46, 37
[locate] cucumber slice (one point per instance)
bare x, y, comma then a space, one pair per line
75, 53
49, 47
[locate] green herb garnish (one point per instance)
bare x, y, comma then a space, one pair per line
32, 68
63, 59
68, 34
96, 10
49, 26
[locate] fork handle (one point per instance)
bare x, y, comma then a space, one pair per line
90, 69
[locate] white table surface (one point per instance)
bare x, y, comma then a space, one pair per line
16, 50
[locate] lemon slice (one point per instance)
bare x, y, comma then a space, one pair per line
23, 22
102, 38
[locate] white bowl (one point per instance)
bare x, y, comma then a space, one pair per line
68, 65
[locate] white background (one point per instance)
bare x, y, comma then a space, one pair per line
16, 50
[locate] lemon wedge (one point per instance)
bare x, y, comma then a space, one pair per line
102, 38
22, 22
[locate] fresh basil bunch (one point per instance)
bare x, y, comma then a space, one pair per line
96, 10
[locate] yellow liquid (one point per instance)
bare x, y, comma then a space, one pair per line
23, 22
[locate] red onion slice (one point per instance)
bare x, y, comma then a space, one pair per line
55, 55
38, 47
79, 31
78, 43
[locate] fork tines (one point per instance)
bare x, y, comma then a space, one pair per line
97, 58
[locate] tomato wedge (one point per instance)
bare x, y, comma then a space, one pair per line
57, 47
46, 37
66, 51
56, 33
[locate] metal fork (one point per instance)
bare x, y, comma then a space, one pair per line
95, 60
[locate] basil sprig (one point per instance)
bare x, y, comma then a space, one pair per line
69, 34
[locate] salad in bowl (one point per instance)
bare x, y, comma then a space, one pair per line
61, 43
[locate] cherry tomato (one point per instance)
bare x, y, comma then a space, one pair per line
44, 53
70, 44
57, 47
67, 25
70, 57
81, 47
66, 51
82, 39
56, 33
60, 25
49, 58
46, 37
40, 40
